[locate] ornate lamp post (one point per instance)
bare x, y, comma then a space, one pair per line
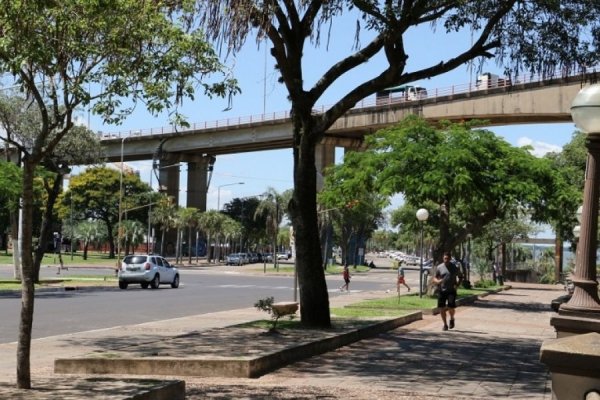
585, 303
422, 215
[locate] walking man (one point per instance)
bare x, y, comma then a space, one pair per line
448, 278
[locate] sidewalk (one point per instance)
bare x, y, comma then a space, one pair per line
493, 352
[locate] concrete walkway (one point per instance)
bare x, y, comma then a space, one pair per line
492, 353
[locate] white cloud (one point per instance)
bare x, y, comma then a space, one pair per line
539, 148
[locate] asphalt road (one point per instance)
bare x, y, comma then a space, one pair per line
200, 292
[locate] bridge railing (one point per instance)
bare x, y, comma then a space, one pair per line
370, 101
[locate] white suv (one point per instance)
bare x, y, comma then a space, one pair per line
147, 270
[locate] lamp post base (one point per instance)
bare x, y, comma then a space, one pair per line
585, 298
575, 324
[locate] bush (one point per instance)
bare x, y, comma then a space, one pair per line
484, 283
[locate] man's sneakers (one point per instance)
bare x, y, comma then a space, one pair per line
445, 328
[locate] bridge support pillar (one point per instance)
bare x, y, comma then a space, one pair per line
197, 181
324, 157
168, 178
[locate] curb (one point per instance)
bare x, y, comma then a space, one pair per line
223, 366
81, 388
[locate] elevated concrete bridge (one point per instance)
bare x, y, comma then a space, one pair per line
527, 101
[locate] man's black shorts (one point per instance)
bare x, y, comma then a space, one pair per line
447, 297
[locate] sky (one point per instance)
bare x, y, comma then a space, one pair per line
261, 93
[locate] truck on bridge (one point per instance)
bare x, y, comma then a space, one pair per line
488, 80
399, 94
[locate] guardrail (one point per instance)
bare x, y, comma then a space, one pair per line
366, 103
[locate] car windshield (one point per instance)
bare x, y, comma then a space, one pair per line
134, 259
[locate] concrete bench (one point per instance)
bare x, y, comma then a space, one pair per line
283, 308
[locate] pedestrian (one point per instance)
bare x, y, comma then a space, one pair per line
346, 276
401, 280
448, 278
498, 273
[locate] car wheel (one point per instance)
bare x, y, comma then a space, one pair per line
175, 283
145, 285
155, 282
123, 285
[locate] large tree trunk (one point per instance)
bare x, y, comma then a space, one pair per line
314, 299
27, 292
111, 240
14, 237
47, 220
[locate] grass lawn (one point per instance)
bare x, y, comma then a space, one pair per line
413, 301
94, 258
388, 307
72, 280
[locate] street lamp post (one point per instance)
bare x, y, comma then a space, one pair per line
71, 222
422, 215
219, 192
585, 111
119, 228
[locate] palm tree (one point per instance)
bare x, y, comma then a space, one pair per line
164, 216
186, 218
272, 209
230, 229
133, 235
90, 232
211, 223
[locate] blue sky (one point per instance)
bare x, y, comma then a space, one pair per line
261, 93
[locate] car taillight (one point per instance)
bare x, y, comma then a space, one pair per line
147, 266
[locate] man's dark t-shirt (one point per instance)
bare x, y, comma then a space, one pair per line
448, 274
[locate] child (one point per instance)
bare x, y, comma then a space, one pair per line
401, 280
346, 276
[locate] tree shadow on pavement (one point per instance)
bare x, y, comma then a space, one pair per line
405, 359
507, 300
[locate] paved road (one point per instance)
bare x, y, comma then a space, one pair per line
493, 353
202, 291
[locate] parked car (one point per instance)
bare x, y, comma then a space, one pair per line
283, 256
267, 257
254, 257
147, 270
235, 259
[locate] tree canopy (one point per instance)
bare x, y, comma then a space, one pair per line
73, 53
95, 194
471, 176
541, 36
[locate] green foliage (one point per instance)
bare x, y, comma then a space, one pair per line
94, 195
466, 177
10, 186
216, 225
349, 203
483, 269
484, 283
570, 166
